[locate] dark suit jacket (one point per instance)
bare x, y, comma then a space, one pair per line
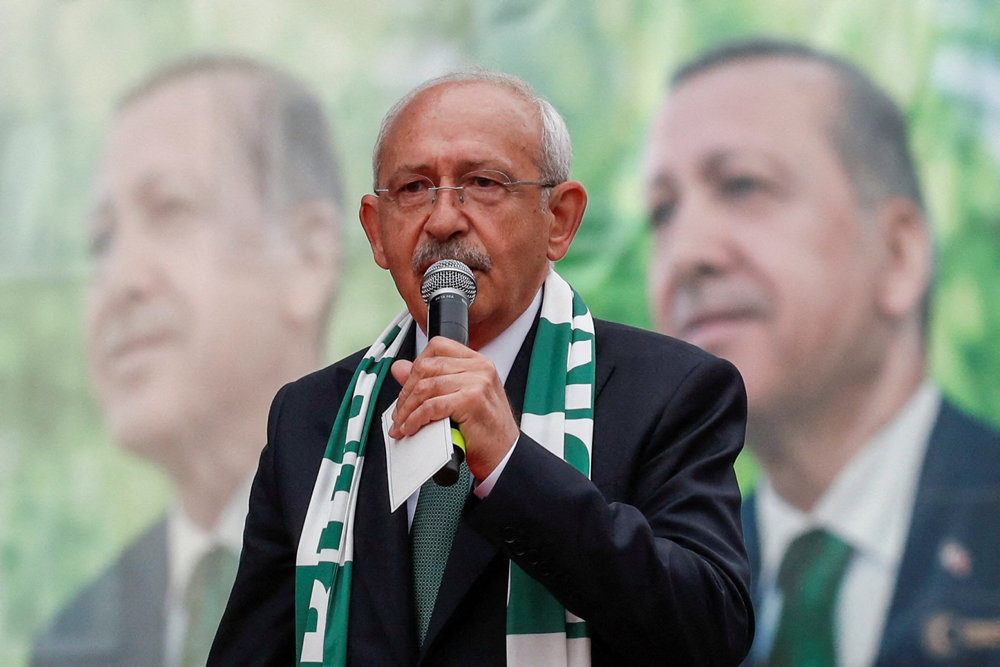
118, 620
946, 604
649, 553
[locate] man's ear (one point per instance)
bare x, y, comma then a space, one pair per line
373, 230
314, 233
909, 256
567, 202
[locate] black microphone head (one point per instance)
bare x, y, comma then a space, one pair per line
448, 274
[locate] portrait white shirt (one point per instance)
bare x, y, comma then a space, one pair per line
868, 506
186, 544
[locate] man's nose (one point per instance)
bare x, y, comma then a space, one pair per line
447, 217
695, 242
127, 267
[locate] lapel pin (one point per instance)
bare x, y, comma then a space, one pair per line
955, 559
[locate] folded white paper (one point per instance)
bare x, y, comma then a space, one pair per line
413, 460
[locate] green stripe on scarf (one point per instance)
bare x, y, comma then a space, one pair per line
558, 414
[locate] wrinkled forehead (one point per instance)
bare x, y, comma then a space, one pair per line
475, 98
467, 112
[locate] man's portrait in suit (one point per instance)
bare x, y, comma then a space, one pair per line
214, 240
791, 238
596, 515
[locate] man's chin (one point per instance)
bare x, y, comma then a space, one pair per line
142, 425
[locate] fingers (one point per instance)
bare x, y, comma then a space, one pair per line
450, 380
430, 383
456, 395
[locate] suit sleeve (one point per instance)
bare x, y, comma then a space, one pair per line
652, 557
261, 604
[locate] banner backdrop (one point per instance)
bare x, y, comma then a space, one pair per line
71, 498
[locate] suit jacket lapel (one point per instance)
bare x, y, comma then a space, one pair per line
953, 512
381, 538
751, 539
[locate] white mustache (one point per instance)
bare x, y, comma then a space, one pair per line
433, 251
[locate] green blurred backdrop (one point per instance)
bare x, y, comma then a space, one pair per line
69, 499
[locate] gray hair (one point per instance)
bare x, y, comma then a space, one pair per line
556, 147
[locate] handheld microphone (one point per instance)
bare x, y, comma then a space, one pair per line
449, 288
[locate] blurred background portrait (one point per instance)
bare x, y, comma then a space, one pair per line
178, 187
791, 238
214, 248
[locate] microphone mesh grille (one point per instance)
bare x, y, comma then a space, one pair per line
448, 273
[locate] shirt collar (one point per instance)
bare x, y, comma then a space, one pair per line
503, 349
870, 502
187, 542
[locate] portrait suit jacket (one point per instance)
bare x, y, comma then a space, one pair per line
669, 421
945, 609
117, 620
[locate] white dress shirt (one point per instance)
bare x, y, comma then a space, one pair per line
186, 544
869, 506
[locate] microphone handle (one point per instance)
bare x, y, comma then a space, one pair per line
448, 316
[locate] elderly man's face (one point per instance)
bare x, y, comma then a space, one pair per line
445, 133
762, 253
184, 312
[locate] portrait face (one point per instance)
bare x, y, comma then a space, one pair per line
445, 133
762, 253
185, 320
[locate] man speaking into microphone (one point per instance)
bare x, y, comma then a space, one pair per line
595, 519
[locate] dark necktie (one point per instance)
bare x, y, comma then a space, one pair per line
434, 522
205, 600
810, 581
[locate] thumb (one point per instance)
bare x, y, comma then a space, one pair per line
400, 370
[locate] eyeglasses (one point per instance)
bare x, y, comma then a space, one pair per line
486, 187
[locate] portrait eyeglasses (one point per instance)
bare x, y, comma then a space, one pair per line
486, 187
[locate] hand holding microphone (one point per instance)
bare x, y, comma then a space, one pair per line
450, 380
448, 289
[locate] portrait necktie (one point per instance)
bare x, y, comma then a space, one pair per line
434, 522
809, 579
205, 600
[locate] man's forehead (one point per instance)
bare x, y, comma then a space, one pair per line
209, 105
146, 151
767, 84
199, 88
181, 124
478, 116
472, 93
747, 103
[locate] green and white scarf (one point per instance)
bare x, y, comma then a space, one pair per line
558, 413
